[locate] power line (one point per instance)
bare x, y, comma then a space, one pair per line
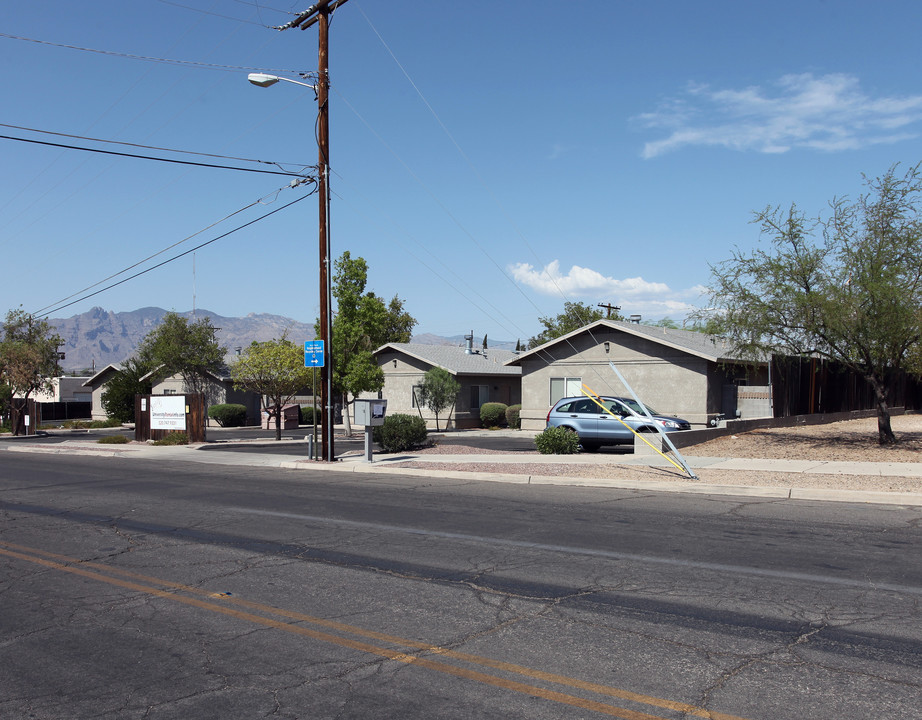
165, 262
148, 147
165, 61
150, 157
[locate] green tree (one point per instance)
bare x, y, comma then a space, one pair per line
852, 296
189, 349
118, 397
363, 322
666, 322
574, 316
274, 369
438, 391
28, 358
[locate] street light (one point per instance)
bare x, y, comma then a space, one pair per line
326, 293
263, 80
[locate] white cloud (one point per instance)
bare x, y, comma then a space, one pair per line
828, 113
581, 281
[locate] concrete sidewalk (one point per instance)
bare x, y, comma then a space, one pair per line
387, 464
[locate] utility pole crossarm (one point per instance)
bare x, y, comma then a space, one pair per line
311, 15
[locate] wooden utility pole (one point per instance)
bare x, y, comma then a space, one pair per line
608, 308
319, 14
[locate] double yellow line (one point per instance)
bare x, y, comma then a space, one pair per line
411, 652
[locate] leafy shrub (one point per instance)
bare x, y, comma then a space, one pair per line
492, 414
108, 423
228, 414
512, 417
174, 438
84, 424
557, 441
113, 440
307, 415
400, 432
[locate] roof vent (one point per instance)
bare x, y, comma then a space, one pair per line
635, 319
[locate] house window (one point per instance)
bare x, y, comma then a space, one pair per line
415, 397
479, 395
562, 387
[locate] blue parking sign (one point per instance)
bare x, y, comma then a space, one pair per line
313, 353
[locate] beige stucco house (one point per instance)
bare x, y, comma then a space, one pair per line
677, 372
97, 385
484, 375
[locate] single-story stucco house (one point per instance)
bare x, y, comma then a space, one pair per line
484, 375
677, 372
97, 386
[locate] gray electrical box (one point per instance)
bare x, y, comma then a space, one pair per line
370, 412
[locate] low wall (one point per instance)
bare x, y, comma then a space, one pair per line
688, 438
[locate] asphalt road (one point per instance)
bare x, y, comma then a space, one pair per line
140, 589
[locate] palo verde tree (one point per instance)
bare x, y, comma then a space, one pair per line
363, 322
274, 369
574, 316
28, 358
847, 288
187, 348
438, 391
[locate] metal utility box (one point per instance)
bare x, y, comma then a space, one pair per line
370, 413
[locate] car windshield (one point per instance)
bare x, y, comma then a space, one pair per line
635, 406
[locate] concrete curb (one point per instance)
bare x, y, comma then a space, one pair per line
698, 488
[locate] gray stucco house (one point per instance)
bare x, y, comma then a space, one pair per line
677, 372
484, 375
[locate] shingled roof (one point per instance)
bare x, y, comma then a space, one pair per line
457, 360
709, 347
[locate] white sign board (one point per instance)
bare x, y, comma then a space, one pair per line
168, 412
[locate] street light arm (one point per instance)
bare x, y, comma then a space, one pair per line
264, 80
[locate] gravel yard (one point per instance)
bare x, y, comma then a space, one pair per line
852, 440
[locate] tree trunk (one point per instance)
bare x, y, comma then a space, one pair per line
278, 422
347, 420
885, 434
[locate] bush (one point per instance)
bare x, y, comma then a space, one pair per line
557, 441
400, 432
492, 414
113, 440
512, 417
174, 438
306, 416
228, 414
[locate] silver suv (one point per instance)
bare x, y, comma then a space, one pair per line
596, 427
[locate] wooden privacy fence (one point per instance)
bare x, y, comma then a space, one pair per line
807, 386
156, 416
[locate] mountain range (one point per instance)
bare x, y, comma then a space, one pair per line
101, 337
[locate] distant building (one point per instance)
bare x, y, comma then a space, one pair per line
63, 389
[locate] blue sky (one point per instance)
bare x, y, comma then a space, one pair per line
490, 160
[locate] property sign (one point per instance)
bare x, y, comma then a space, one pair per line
168, 412
313, 353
